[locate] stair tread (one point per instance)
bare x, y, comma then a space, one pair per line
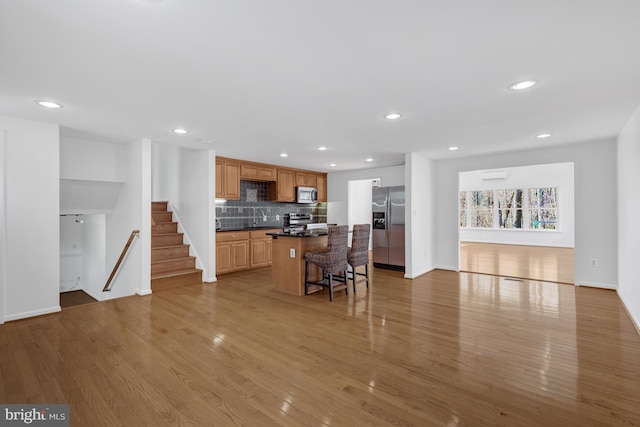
166, 234
175, 273
169, 246
161, 261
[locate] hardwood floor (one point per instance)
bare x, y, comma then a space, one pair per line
550, 264
445, 349
73, 298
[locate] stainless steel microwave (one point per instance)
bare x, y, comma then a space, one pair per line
306, 195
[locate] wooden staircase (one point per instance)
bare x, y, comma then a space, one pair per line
171, 264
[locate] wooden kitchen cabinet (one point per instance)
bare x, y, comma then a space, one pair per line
242, 250
257, 172
306, 179
284, 189
261, 248
321, 183
232, 251
227, 179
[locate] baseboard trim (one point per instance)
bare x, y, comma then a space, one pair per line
445, 267
143, 292
211, 279
597, 285
33, 313
634, 320
420, 273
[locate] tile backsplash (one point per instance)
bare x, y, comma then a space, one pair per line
243, 213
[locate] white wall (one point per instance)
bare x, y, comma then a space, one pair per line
32, 257
3, 298
628, 209
71, 254
360, 211
132, 212
338, 188
197, 206
419, 215
91, 175
559, 175
165, 171
596, 225
186, 179
93, 274
92, 161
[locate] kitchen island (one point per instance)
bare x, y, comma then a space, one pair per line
288, 251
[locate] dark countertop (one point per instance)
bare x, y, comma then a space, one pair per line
248, 229
313, 233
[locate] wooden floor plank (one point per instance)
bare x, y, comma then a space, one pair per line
444, 349
551, 264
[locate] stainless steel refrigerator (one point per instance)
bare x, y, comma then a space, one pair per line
388, 227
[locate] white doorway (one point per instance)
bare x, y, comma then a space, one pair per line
359, 206
518, 222
83, 254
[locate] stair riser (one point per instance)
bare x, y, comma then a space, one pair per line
162, 217
173, 265
158, 207
164, 228
166, 240
172, 282
160, 253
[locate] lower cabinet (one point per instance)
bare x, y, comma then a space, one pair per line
241, 250
232, 251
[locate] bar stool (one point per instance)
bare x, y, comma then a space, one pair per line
333, 262
359, 253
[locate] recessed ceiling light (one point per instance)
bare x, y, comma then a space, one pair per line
181, 131
332, 165
322, 147
543, 135
284, 155
453, 148
49, 104
526, 84
368, 159
392, 116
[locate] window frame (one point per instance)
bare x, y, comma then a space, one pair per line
526, 210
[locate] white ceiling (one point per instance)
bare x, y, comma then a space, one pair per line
258, 77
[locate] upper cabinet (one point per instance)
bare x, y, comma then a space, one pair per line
321, 183
284, 189
282, 181
257, 172
306, 179
227, 179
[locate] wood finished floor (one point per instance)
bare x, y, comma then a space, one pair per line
551, 264
74, 298
446, 349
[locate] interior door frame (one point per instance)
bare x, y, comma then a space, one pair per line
3, 236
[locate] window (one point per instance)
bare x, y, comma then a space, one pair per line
527, 209
543, 209
462, 202
509, 208
481, 209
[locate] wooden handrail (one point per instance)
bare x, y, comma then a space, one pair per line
107, 286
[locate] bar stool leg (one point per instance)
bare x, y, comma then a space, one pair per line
330, 287
366, 273
346, 283
306, 278
353, 277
